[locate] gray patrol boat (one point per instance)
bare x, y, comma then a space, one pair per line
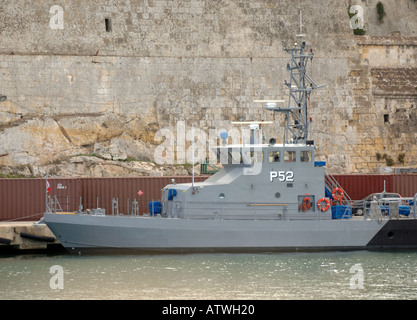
267, 197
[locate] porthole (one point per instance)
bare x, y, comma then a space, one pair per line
390, 234
221, 196
277, 195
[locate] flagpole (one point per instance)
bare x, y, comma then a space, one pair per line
46, 194
193, 158
47, 189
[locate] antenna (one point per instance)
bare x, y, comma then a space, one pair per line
301, 21
250, 122
270, 104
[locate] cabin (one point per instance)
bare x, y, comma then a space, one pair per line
257, 181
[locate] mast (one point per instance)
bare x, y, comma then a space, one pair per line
300, 88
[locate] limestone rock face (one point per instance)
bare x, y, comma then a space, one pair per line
36, 142
124, 147
87, 130
92, 166
80, 145
141, 130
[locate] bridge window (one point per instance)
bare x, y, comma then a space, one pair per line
306, 156
274, 156
289, 156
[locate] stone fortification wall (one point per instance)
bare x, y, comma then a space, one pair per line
90, 83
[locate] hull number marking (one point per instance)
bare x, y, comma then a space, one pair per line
281, 176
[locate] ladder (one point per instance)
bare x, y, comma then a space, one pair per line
331, 183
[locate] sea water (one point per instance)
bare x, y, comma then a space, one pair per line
273, 276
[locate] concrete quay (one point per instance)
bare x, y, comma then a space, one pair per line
24, 236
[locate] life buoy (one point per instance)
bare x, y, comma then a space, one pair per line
337, 194
306, 204
323, 204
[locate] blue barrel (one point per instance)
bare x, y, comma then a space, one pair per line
155, 207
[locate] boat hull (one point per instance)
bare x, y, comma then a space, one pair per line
88, 233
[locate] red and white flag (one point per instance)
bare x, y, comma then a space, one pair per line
48, 186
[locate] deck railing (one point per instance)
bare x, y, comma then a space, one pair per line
331, 183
